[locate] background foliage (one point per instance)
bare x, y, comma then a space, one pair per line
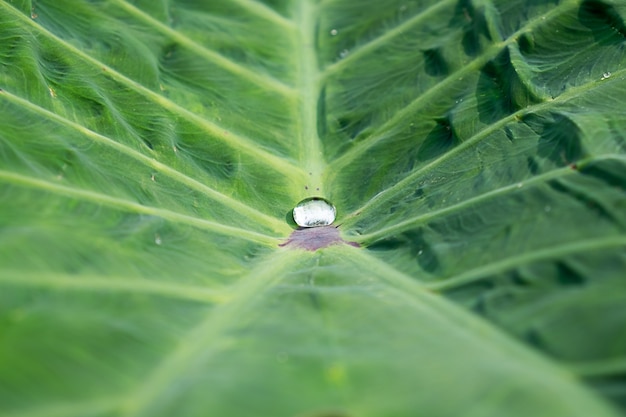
151, 152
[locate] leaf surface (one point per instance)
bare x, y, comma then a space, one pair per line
151, 153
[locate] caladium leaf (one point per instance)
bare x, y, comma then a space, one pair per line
151, 154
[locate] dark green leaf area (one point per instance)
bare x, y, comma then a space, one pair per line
501, 91
423, 53
531, 221
514, 14
586, 48
479, 171
571, 309
507, 89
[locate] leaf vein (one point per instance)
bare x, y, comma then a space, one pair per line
425, 98
264, 81
151, 162
559, 251
231, 139
132, 207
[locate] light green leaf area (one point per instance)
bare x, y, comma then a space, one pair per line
151, 153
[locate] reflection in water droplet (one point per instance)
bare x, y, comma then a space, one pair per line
314, 212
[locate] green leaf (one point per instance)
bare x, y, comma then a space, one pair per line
151, 154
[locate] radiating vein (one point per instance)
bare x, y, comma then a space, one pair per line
203, 340
104, 284
465, 327
265, 12
311, 154
543, 254
438, 89
178, 176
132, 207
385, 38
231, 139
264, 81
436, 308
422, 218
398, 188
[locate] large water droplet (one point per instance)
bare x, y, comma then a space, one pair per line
314, 212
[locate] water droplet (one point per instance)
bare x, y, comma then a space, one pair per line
519, 185
157, 239
314, 212
605, 75
548, 209
333, 32
344, 53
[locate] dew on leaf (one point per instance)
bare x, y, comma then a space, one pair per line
333, 32
314, 212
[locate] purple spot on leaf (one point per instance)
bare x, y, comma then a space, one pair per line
316, 238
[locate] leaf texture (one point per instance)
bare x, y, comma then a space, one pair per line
151, 153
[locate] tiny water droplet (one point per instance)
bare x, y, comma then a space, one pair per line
344, 53
547, 209
333, 32
314, 212
157, 239
605, 75
519, 185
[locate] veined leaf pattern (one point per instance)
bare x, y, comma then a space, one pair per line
151, 154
